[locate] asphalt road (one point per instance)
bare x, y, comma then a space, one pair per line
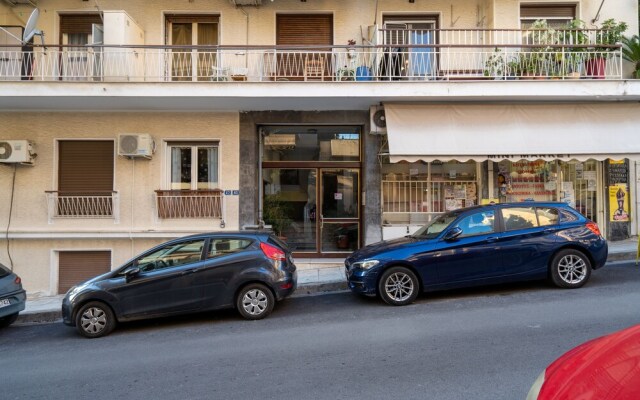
488, 343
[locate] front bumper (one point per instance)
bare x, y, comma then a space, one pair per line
67, 310
362, 281
17, 299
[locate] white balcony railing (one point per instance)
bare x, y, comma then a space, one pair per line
77, 205
190, 204
393, 62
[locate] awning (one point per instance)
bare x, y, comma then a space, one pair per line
420, 132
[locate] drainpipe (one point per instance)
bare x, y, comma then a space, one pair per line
260, 188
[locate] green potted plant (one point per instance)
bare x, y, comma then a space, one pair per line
610, 34
346, 74
277, 212
540, 60
631, 53
574, 55
495, 66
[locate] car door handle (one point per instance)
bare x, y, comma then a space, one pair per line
549, 230
491, 239
189, 271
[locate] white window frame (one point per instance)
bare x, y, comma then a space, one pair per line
194, 145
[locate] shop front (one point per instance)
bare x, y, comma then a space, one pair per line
444, 157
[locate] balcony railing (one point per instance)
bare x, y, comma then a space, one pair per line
404, 55
190, 204
83, 205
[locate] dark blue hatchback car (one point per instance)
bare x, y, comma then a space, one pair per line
482, 245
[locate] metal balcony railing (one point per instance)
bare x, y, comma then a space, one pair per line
190, 204
415, 55
83, 205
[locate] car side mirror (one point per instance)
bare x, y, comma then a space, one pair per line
131, 272
452, 233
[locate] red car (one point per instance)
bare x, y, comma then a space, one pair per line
604, 368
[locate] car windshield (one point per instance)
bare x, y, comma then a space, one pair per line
4, 271
435, 226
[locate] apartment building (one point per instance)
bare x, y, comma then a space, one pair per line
338, 123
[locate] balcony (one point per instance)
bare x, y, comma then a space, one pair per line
69, 205
415, 55
172, 204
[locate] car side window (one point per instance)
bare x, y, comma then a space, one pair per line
172, 255
519, 218
479, 223
547, 216
568, 216
222, 246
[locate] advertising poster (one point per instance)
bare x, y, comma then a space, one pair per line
619, 203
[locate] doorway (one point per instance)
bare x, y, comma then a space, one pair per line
311, 188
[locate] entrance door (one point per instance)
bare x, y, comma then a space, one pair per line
310, 187
339, 218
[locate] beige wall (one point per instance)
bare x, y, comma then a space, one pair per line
349, 16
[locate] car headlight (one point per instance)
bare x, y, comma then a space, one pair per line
368, 264
71, 293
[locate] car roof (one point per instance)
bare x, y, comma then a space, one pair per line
248, 233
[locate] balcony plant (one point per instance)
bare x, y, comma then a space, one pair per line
631, 53
540, 60
574, 55
495, 66
610, 34
346, 74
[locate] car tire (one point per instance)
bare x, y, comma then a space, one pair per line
570, 269
8, 320
255, 301
95, 319
398, 286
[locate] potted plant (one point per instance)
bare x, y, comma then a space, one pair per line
495, 66
631, 53
346, 74
276, 212
574, 55
541, 59
610, 34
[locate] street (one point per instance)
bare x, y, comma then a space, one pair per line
487, 343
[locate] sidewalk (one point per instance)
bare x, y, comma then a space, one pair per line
314, 276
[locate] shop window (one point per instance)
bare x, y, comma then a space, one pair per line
312, 143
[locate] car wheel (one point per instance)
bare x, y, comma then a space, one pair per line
570, 269
398, 286
255, 301
8, 320
95, 319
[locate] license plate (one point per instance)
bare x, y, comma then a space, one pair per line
4, 303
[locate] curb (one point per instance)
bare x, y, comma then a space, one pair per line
622, 256
39, 317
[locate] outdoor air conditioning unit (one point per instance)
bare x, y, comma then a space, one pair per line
378, 120
135, 145
17, 151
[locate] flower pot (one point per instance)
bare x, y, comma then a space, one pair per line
595, 67
363, 74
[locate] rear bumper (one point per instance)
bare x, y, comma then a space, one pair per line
18, 301
599, 252
286, 287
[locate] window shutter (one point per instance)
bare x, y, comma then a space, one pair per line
547, 11
78, 23
85, 167
304, 29
191, 18
77, 266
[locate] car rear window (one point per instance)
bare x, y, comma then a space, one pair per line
568, 216
223, 246
547, 216
4, 271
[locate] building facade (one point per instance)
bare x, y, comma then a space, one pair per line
336, 123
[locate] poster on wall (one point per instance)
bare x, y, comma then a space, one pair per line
619, 203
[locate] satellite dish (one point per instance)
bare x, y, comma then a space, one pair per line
30, 29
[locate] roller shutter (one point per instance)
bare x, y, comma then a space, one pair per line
78, 266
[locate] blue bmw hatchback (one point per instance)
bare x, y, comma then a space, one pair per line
481, 245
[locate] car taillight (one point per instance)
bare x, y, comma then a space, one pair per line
18, 280
273, 252
593, 227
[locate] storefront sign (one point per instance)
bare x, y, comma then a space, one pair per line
619, 202
618, 172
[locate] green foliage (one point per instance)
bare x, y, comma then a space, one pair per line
631, 52
276, 212
611, 33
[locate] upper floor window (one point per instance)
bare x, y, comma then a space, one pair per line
193, 166
556, 15
192, 30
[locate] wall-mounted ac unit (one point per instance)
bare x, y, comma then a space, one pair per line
378, 120
135, 145
17, 151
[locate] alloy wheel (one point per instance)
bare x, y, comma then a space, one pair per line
572, 269
93, 320
399, 286
255, 302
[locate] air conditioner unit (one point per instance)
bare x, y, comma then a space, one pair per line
135, 145
17, 151
378, 120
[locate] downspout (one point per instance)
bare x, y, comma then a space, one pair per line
260, 194
597, 17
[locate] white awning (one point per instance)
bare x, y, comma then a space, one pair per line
420, 132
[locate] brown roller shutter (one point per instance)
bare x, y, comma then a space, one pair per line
536, 11
191, 18
78, 23
304, 29
78, 266
85, 167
